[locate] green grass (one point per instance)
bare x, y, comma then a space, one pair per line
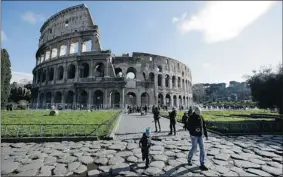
68, 118
223, 115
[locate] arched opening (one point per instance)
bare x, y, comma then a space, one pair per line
173, 81
83, 98
159, 69
98, 99
151, 77
63, 50
168, 100
180, 100
187, 101
51, 74
131, 73
183, 84
99, 70
179, 82
86, 46
54, 53
145, 99
84, 70
60, 73
47, 55
115, 99
44, 76
186, 83
160, 99
70, 97
48, 97
159, 80
119, 72
71, 71
166, 80
74, 48
58, 97
144, 76
131, 98
184, 101
183, 73
175, 100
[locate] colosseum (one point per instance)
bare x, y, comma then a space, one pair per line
72, 70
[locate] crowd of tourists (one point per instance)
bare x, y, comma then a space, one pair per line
193, 122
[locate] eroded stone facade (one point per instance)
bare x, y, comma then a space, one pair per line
72, 70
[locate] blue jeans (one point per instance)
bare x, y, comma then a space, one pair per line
197, 140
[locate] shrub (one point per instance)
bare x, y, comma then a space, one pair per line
22, 104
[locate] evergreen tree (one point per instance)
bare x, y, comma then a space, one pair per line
5, 75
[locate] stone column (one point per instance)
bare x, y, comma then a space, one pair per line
65, 75
89, 100
164, 98
178, 101
80, 47
123, 98
91, 72
55, 74
77, 72
163, 80
107, 67
37, 100
170, 82
68, 47
105, 99
52, 98
156, 80
58, 52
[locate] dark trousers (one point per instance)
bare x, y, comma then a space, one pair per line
172, 126
156, 121
145, 154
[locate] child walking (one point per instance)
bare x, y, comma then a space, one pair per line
145, 144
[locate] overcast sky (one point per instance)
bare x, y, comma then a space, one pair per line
219, 40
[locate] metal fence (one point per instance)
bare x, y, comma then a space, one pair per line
57, 130
62, 106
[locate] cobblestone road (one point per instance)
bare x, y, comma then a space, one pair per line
226, 156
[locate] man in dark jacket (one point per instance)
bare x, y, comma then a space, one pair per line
172, 116
184, 120
197, 129
156, 116
144, 144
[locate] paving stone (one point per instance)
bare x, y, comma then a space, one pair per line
163, 158
81, 169
221, 169
265, 153
86, 159
73, 166
230, 173
169, 153
129, 173
132, 159
222, 156
213, 152
132, 146
174, 163
152, 171
17, 145
184, 148
46, 171
170, 146
275, 164
95, 146
34, 165
246, 164
181, 155
31, 172
78, 154
157, 148
210, 173
239, 157
119, 147
124, 154
93, 173
272, 170
168, 168
104, 168
115, 160
258, 172
257, 161
157, 164
237, 170
60, 169
8, 167
120, 168
155, 152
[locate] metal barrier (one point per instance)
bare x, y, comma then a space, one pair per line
55, 130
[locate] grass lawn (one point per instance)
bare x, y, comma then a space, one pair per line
25, 117
225, 115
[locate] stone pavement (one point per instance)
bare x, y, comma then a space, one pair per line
226, 156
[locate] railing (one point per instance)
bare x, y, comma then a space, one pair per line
99, 79
63, 106
57, 130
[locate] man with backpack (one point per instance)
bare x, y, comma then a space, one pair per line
172, 116
144, 144
156, 116
197, 129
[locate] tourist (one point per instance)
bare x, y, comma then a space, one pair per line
172, 116
145, 144
197, 129
184, 119
145, 109
153, 109
156, 116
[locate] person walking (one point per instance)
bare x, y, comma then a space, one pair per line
144, 144
156, 116
197, 129
184, 120
145, 109
172, 116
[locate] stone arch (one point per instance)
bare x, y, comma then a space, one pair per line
60, 73
70, 97
168, 100
99, 70
131, 73
180, 100
84, 70
58, 97
83, 99
131, 98
98, 98
159, 69
151, 77
160, 99
174, 81
175, 101
159, 80
71, 71
115, 99
51, 74
145, 100
179, 82
119, 72
166, 80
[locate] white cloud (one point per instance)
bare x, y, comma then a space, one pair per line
19, 76
3, 36
32, 17
224, 20
176, 19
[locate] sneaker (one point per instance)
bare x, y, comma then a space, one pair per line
203, 168
190, 163
155, 131
159, 131
169, 133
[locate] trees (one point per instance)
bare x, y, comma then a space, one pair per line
198, 92
5, 75
20, 92
267, 88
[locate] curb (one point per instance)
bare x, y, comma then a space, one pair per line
112, 134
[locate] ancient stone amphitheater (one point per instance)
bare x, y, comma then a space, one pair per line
73, 71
